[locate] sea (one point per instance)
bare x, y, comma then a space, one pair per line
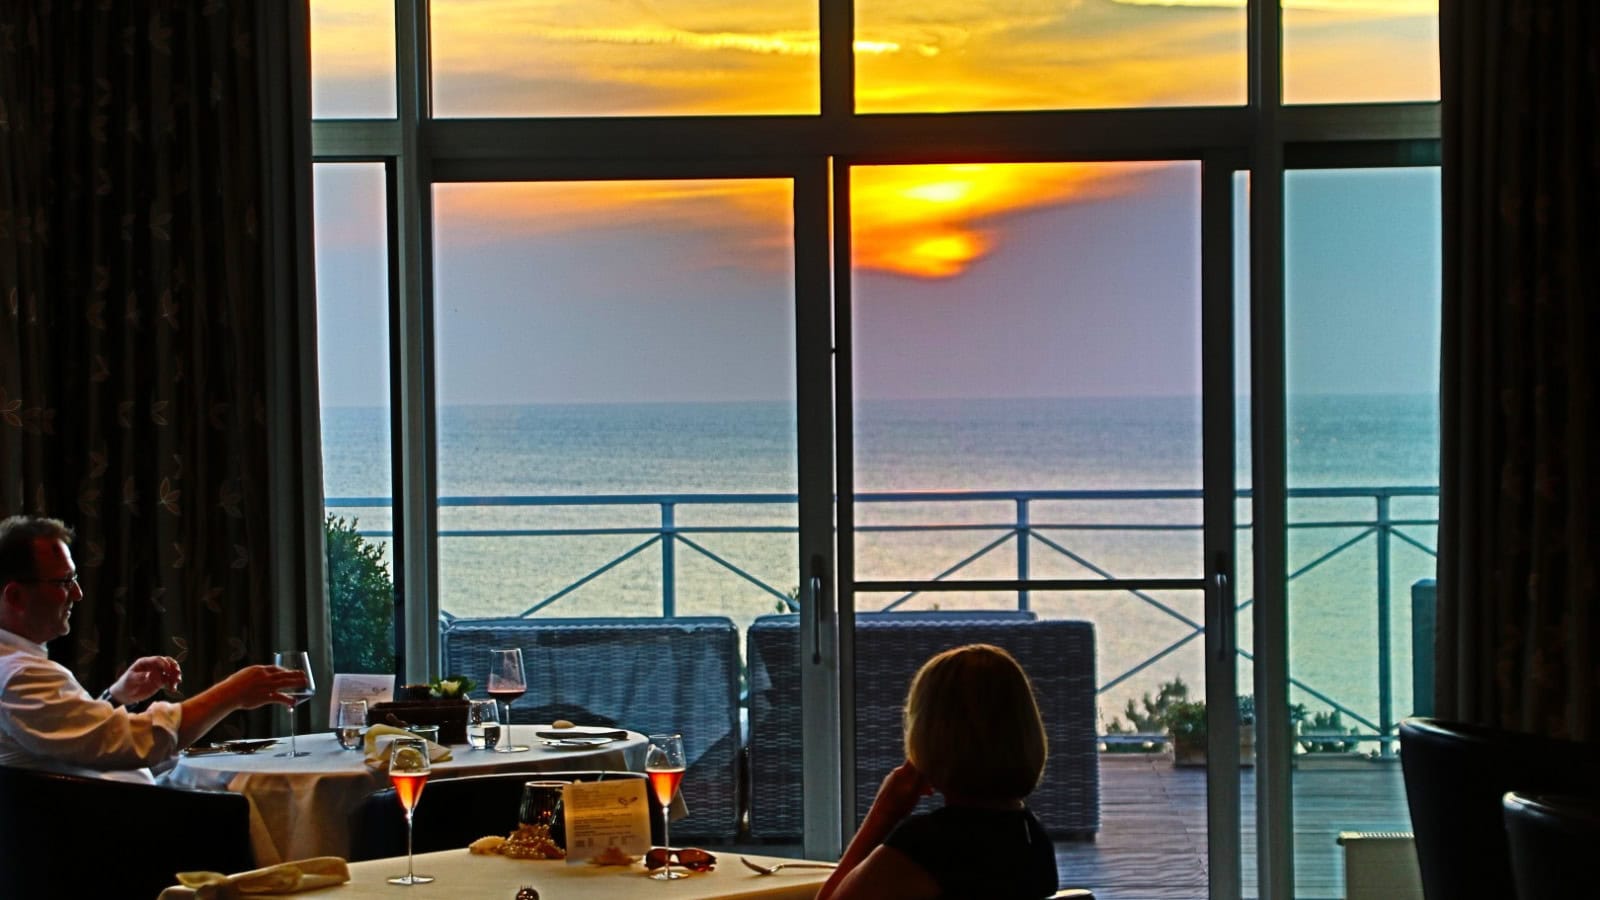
615, 464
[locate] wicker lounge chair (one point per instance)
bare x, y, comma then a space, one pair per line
646, 674
890, 647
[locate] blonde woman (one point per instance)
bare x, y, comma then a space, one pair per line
973, 735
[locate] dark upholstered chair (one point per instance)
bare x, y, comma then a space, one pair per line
454, 812
1456, 776
1553, 844
644, 674
72, 837
1058, 656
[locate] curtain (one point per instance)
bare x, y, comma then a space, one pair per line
1517, 632
155, 158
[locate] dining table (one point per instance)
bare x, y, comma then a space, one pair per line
467, 876
300, 807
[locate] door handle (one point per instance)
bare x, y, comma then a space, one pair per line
819, 608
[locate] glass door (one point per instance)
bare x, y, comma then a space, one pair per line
1025, 462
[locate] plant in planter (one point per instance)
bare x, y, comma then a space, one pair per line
1186, 722
1326, 734
1149, 720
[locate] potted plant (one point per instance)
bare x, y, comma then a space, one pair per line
1186, 722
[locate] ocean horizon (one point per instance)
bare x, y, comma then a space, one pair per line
1009, 445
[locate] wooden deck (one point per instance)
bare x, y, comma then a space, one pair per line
1152, 841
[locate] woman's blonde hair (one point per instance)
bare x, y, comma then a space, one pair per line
972, 725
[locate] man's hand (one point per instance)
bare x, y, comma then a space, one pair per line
254, 686
145, 677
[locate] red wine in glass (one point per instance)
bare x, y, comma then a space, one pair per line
507, 682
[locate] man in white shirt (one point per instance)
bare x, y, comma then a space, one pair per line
47, 719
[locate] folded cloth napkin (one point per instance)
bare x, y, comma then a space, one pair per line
379, 737
284, 878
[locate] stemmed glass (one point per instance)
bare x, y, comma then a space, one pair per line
506, 683
408, 772
298, 661
664, 765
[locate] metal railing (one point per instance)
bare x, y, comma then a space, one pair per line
1022, 529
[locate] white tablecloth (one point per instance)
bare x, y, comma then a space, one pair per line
462, 876
300, 807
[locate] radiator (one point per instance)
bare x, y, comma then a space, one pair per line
1380, 865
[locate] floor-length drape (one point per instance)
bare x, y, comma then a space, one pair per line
153, 277
1517, 631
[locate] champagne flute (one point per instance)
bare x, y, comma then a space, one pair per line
299, 661
664, 764
408, 772
506, 683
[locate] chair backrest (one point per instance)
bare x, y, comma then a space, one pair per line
1456, 776
454, 812
1059, 656
1553, 841
645, 674
69, 836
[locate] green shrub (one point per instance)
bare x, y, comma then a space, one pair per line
360, 600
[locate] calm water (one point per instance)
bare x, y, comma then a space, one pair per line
1054, 444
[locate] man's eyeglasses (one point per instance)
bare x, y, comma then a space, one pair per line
692, 858
64, 583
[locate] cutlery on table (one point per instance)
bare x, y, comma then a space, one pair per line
768, 870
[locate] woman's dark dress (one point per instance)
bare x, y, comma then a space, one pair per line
980, 853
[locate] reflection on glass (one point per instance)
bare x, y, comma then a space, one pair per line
959, 55
1362, 292
352, 59
350, 229
621, 58
1360, 51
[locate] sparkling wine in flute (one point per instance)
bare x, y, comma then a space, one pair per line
664, 763
665, 783
408, 787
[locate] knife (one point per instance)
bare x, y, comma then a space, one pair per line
578, 734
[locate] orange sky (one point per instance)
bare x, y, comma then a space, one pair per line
626, 57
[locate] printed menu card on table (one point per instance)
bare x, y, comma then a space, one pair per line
601, 815
374, 689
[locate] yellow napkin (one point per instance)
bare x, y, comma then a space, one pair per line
379, 737
284, 878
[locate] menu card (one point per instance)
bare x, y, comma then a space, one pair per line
601, 815
374, 689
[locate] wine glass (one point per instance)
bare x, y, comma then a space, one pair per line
352, 718
506, 683
408, 772
298, 661
483, 724
664, 765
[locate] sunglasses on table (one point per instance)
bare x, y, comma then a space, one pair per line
692, 858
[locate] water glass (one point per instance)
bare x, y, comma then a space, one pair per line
483, 724
351, 719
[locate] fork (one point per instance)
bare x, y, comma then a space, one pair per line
768, 870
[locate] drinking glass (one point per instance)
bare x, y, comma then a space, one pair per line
299, 661
506, 683
351, 719
483, 724
664, 764
408, 772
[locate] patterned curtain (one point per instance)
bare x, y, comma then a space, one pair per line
146, 259
1518, 636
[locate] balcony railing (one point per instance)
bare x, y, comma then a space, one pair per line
1021, 529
